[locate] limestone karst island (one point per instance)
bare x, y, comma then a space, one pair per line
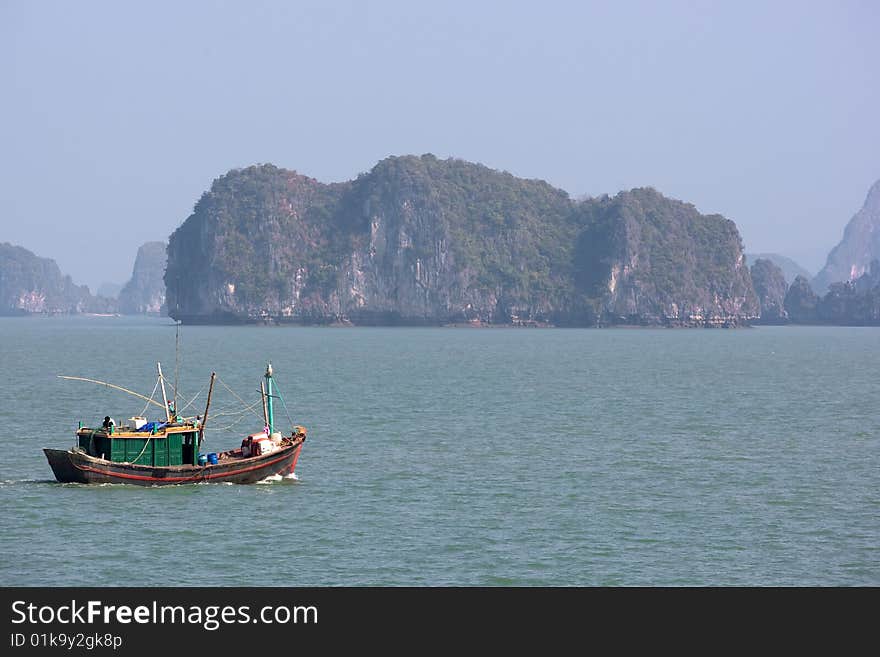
425, 241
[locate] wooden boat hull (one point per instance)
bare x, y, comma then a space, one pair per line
75, 466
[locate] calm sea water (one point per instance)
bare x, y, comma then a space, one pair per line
462, 457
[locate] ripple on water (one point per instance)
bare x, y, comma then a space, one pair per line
455, 457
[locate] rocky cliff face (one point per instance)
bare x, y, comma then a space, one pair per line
853, 303
33, 285
870, 280
770, 286
449, 241
263, 242
801, 302
849, 303
419, 240
145, 291
860, 245
645, 259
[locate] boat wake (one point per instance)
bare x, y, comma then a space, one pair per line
18, 482
275, 478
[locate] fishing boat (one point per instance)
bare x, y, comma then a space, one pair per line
167, 451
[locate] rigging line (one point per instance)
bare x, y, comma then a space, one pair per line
229, 426
238, 412
284, 403
178, 411
228, 415
244, 412
174, 388
110, 385
147, 405
234, 394
228, 410
198, 394
146, 442
225, 412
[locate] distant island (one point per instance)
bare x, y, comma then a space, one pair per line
144, 294
845, 292
31, 285
860, 246
790, 269
425, 241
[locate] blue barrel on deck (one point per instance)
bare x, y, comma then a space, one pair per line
212, 458
203, 460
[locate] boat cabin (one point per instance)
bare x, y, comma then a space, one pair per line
152, 443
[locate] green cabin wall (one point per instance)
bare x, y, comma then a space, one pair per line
149, 450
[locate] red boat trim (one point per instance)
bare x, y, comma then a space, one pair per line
199, 476
295, 459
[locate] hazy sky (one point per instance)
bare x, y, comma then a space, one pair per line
116, 116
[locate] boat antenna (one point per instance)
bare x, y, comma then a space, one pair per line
164, 396
207, 407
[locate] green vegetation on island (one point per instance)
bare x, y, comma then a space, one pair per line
770, 286
419, 240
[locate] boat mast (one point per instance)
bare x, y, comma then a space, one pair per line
164, 396
176, 360
270, 418
177, 343
265, 408
207, 407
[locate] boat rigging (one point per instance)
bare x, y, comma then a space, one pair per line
168, 451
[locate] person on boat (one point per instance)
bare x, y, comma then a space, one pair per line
108, 422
